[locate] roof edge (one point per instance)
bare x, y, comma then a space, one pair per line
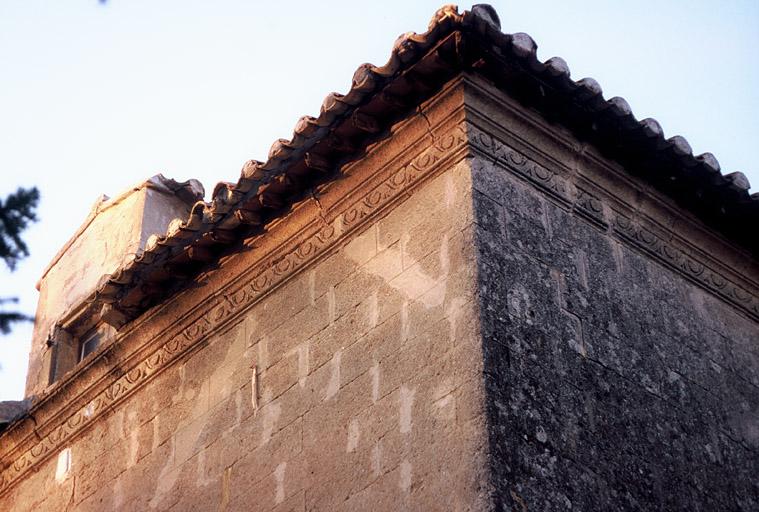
471, 40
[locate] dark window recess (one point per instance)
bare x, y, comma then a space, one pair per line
54, 349
90, 342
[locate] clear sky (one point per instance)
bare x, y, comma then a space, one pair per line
96, 97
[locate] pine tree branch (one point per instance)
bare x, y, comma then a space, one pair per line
16, 212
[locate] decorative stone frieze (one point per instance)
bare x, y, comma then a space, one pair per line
229, 304
633, 231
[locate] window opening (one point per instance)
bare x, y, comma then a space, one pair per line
69, 349
89, 342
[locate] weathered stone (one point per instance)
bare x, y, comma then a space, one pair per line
482, 314
601, 378
116, 230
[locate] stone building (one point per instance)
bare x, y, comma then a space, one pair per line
470, 283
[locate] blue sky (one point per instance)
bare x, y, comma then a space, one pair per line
94, 98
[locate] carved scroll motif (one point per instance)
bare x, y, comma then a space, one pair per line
546, 179
235, 300
678, 259
591, 208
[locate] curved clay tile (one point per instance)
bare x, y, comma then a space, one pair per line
264, 188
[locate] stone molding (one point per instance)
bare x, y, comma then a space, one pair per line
630, 228
235, 299
392, 182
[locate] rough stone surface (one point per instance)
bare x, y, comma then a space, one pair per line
612, 382
366, 396
482, 314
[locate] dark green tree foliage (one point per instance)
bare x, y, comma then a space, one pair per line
16, 212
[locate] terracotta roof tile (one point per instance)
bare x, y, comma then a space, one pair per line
380, 95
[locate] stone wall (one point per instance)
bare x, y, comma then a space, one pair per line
615, 380
482, 313
366, 392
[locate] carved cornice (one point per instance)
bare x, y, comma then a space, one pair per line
390, 184
679, 259
627, 227
229, 304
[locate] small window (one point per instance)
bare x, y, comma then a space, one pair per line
68, 349
89, 342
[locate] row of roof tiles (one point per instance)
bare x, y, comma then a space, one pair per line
379, 95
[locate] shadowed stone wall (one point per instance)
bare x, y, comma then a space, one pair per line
613, 382
483, 313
